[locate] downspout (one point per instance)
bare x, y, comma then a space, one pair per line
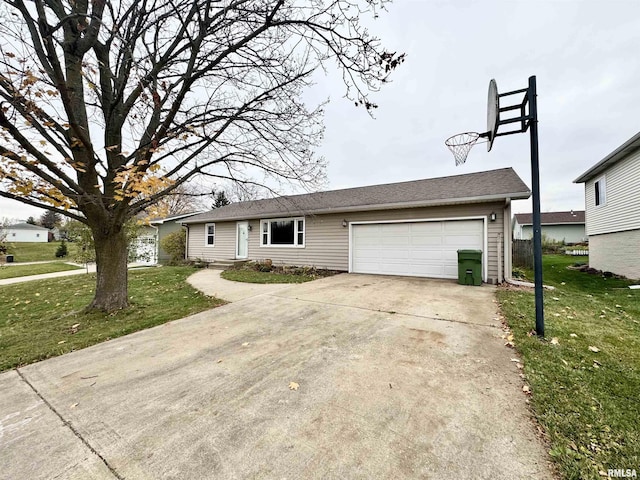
157, 244
186, 247
507, 240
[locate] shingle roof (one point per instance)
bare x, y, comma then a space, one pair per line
170, 218
26, 226
469, 188
624, 150
552, 218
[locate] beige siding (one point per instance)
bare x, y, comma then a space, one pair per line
327, 241
616, 252
621, 210
225, 242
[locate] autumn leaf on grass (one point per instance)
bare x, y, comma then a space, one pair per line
293, 386
594, 349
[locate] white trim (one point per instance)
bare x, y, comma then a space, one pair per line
485, 240
206, 235
245, 222
295, 232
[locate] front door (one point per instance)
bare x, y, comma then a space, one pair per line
242, 239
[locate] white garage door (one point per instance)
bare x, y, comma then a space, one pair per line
424, 249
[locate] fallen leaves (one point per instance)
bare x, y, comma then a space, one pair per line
293, 386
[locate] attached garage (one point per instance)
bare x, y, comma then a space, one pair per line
423, 248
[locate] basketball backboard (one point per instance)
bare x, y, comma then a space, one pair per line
493, 113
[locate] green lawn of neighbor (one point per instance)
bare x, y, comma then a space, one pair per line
585, 376
13, 271
38, 252
45, 318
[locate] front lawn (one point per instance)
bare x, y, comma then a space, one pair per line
45, 318
38, 252
585, 376
13, 271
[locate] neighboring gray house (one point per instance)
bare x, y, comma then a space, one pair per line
147, 244
567, 227
612, 201
409, 228
25, 232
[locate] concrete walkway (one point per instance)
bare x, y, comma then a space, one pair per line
210, 283
43, 276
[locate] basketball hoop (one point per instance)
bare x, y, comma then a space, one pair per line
460, 145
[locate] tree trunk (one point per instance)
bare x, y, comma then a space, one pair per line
111, 263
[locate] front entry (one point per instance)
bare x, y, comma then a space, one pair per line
242, 239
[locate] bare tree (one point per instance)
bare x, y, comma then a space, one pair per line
185, 198
108, 106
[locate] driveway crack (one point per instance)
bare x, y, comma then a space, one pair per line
69, 426
390, 312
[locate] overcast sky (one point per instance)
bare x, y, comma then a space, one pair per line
585, 57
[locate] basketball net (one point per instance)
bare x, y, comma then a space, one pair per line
460, 145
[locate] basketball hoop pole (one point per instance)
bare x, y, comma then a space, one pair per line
535, 185
461, 144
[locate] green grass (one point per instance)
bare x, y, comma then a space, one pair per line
13, 271
38, 252
45, 318
253, 276
588, 402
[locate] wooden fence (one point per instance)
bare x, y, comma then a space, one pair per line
523, 253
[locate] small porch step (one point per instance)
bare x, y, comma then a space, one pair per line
223, 264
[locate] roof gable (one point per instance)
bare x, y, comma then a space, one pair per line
623, 151
468, 188
26, 226
552, 218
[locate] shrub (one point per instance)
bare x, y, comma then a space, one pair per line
175, 244
62, 250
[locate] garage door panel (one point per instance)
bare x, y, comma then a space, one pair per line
427, 254
426, 249
428, 228
427, 240
402, 240
463, 226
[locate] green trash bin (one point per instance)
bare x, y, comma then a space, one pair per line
470, 267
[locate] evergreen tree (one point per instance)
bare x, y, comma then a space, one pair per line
220, 199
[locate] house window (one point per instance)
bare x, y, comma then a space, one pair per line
210, 234
601, 191
282, 232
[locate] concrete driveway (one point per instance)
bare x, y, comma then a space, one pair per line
396, 378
